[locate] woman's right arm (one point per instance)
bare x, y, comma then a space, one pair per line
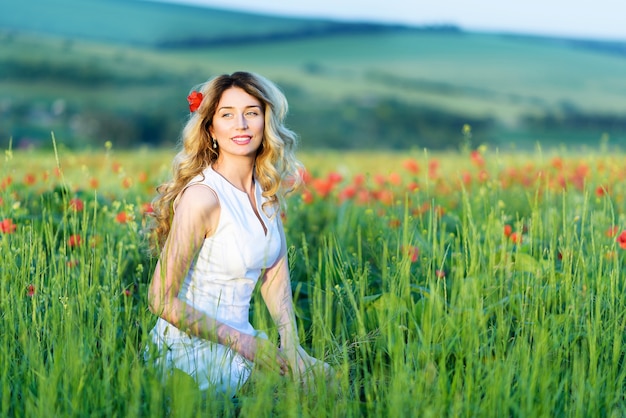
196, 216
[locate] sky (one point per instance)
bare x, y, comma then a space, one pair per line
586, 19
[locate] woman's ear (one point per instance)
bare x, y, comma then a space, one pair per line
209, 128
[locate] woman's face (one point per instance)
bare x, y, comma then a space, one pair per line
238, 123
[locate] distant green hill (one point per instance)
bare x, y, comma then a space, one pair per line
120, 70
159, 24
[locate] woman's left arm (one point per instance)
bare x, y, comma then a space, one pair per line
276, 292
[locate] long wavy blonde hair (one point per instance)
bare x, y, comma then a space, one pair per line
276, 167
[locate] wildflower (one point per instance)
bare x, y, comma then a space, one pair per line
477, 158
94, 183
385, 197
147, 208
334, 177
30, 179
433, 168
413, 253
76, 204
395, 179
358, 180
127, 182
508, 230
347, 193
621, 240
322, 187
380, 180
30, 290
515, 238
612, 231
307, 196
116, 167
142, 177
74, 240
441, 274
7, 226
411, 166
557, 163
122, 217
601, 191
466, 178
6, 182
304, 175
394, 223
363, 197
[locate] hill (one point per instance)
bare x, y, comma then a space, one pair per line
119, 70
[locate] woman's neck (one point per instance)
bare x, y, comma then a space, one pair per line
238, 172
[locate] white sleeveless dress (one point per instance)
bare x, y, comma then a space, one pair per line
220, 283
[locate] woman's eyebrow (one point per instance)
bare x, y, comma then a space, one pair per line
232, 107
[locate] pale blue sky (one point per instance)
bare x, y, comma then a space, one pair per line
596, 19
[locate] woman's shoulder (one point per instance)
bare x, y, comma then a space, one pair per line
206, 176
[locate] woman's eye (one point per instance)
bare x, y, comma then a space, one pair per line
252, 113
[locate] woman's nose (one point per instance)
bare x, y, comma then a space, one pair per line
242, 122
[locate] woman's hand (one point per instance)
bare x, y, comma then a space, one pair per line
262, 353
305, 369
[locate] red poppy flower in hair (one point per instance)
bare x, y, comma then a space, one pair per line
194, 99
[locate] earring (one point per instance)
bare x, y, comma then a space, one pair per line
214, 143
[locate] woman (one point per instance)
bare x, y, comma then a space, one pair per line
219, 230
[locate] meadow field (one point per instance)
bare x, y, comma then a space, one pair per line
469, 283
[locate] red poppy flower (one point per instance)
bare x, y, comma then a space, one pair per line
147, 208
30, 290
121, 217
394, 223
601, 191
477, 158
612, 231
6, 182
334, 177
195, 100
411, 166
515, 238
7, 226
30, 179
76, 204
127, 182
74, 240
621, 240
142, 177
395, 179
307, 196
413, 252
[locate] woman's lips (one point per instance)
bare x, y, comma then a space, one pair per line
241, 140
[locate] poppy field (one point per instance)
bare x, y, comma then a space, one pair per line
469, 283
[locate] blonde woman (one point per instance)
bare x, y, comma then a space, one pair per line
219, 231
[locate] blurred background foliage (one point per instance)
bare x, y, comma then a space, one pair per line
120, 71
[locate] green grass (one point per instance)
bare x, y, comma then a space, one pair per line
476, 325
